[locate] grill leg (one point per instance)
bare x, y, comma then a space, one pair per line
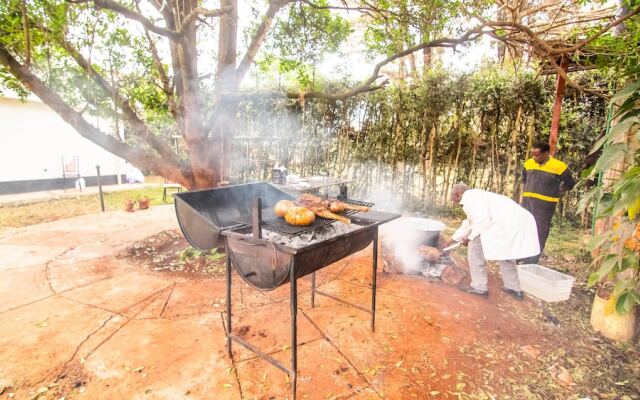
373, 281
228, 304
294, 332
313, 290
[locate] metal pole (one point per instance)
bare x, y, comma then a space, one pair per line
313, 290
294, 332
557, 107
100, 188
256, 218
373, 280
229, 304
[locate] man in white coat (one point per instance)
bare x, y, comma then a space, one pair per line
497, 228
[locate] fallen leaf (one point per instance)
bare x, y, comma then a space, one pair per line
560, 373
530, 351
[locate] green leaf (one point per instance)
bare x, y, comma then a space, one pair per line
598, 144
619, 130
629, 261
215, 255
589, 197
609, 262
626, 91
634, 209
586, 172
596, 241
610, 156
621, 287
624, 304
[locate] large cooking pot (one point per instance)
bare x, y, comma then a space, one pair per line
415, 231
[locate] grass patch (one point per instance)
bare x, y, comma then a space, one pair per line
53, 210
567, 241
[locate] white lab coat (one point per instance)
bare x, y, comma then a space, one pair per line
507, 231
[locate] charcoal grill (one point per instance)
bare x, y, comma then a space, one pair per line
233, 217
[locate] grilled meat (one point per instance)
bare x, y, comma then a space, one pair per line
349, 206
335, 206
319, 206
324, 213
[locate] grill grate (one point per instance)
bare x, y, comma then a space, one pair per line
358, 202
444, 259
274, 223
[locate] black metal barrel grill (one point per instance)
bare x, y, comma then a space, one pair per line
235, 217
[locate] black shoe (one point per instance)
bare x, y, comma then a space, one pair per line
515, 293
471, 290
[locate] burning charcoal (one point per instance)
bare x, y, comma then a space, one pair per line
307, 238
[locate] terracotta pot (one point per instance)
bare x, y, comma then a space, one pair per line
612, 325
143, 204
128, 206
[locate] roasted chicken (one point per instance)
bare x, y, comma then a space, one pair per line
320, 207
333, 205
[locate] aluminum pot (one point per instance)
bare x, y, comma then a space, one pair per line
421, 231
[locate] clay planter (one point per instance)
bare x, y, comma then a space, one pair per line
143, 204
128, 206
612, 325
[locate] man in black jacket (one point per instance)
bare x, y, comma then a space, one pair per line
544, 179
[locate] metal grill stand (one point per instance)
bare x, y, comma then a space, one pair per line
293, 371
210, 218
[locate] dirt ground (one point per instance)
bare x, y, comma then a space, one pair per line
109, 306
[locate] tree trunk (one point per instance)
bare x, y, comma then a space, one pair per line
512, 164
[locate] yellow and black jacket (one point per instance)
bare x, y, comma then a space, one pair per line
543, 181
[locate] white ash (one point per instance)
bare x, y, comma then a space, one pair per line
311, 237
433, 270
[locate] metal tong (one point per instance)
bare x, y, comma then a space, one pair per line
449, 248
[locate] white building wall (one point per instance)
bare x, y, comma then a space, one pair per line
33, 140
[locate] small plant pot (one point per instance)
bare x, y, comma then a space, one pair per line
128, 206
143, 204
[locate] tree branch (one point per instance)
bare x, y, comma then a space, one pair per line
25, 28
133, 15
150, 26
365, 10
135, 154
601, 32
138, 126
166, 86
202, 12
334, 97
571, 83
258, 38
541, 47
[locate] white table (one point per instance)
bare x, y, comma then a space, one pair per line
313, 184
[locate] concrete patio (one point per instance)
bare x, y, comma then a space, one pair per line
77, 321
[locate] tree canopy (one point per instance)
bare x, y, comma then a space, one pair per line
157, 69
